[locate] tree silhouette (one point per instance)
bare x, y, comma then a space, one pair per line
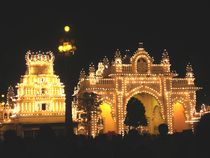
89, 102
163, 129
135, 116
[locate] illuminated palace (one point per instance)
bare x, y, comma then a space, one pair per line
40, 94
166, 97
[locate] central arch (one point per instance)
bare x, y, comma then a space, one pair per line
152, 111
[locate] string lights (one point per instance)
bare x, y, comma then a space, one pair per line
40, 92
142, 76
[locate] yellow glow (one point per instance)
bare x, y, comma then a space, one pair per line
2, 95
179, 118
60, 48
66, 28
159, 82
108, 121
66, 47
40, 91
69, 47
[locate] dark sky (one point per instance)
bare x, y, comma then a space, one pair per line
99, 28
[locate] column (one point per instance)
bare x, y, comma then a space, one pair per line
120, 114
94, 123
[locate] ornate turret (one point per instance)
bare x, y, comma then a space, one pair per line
118, 61
106, 62
189, 74
165, 58
126, 57
82, 75
165, 61
189, 71
39, 62
107, 67
100, 70
118, 56
91, 68
92, 74
141, 46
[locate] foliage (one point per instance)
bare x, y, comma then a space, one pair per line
89, 102
135, 116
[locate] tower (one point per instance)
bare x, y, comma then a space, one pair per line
40, 94
118, 61
165, 61
189, 74
92, 74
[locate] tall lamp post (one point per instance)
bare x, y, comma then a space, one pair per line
67, 48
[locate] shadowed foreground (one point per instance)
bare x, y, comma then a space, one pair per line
47, 144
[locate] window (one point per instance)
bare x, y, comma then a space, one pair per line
43, 90
5, 115
43, 106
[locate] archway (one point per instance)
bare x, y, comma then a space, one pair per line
108, 121
152, 111
179, 117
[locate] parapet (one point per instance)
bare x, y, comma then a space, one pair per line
32, 57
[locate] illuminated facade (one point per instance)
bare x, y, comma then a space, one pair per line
40, 94
166, 97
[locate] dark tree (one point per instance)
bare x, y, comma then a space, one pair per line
89, 102
163, 129
135, 116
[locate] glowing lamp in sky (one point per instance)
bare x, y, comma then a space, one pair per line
66, 28
66, 46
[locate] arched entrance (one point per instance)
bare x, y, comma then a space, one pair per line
152, 111
179, 117
107, 119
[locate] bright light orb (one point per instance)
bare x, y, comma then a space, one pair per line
60, 48
66, 28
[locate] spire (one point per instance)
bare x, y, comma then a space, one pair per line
141, 46
189, 71
117, 54
106, 62
189, 68
92, 74
91, 68
118, 57
82, 74
165, 57
127, 51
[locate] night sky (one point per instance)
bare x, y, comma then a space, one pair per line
99, 29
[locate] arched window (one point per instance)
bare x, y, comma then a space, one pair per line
142, 66
5, 115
